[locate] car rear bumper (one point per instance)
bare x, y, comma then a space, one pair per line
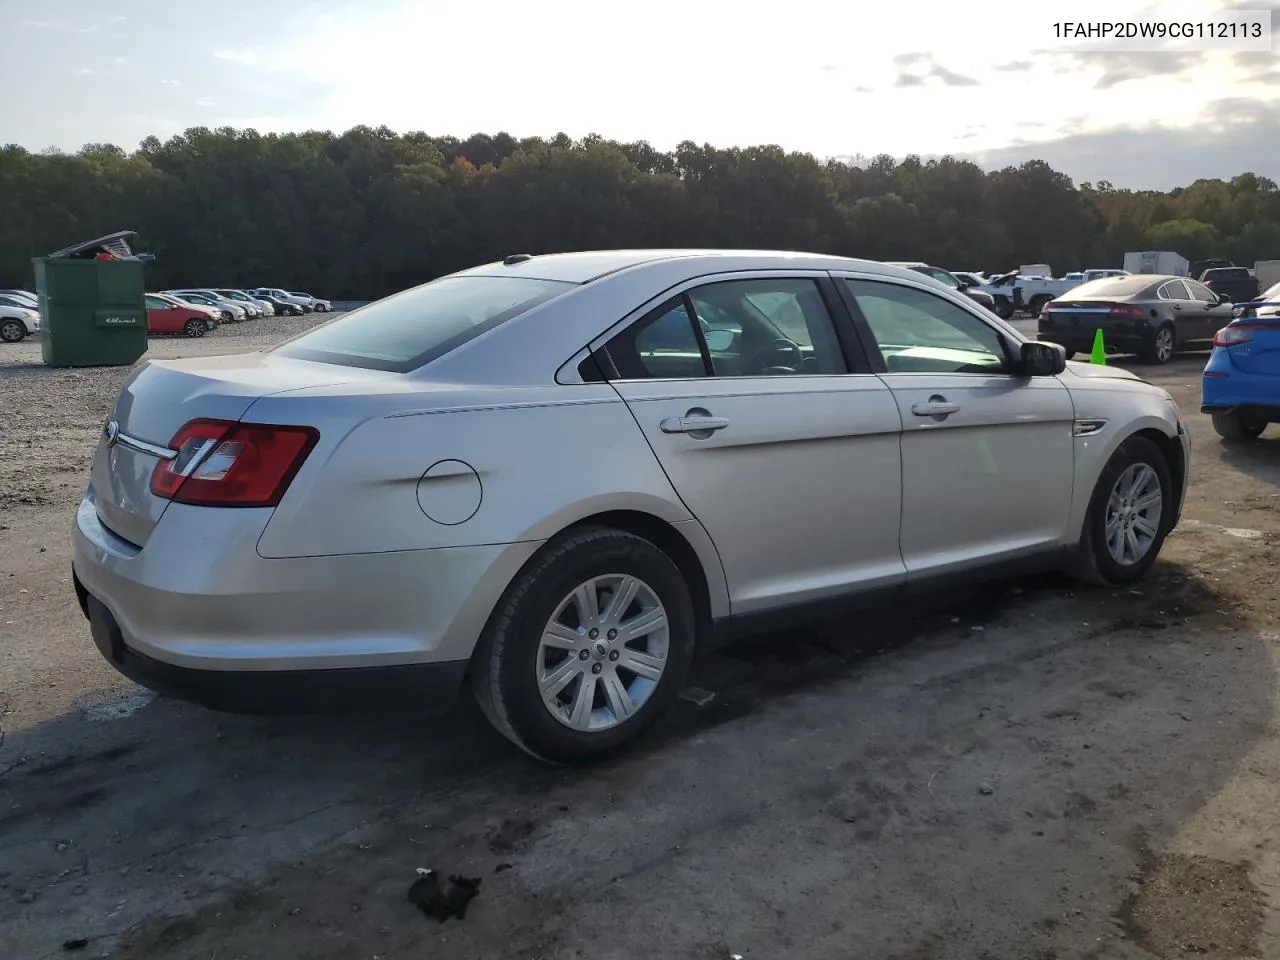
198, 612
435, 685
1115, 340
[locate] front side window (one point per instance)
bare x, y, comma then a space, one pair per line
920, 332
154, 303
945, 277
404, 331
1201, 292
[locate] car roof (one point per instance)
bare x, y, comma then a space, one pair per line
605, 287
591, 265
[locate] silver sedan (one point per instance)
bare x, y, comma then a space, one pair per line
549, 479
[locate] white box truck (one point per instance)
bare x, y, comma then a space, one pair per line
1163, 262
1268, 274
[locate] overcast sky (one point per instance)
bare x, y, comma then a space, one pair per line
984, 78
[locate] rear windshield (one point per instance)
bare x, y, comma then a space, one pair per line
406, 330
1226, 273
1111, 287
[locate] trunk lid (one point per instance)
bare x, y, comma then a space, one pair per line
1261, 354
158, 399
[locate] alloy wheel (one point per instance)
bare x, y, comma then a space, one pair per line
603, 652
1134, 510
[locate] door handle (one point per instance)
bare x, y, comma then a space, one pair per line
937, 407
704, 425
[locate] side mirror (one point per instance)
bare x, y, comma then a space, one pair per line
962, 286
1043, 359
1224, 298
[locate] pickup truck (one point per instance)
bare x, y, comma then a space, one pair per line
1014, 292
1236, 282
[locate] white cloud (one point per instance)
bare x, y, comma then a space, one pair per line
745, 81
246, 58
122, 60
205, 102
84, 71
38, 24
171, 83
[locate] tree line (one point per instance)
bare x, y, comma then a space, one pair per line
367, 212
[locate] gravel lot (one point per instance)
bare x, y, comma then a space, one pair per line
1035, 771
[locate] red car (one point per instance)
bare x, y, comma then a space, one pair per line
167, 315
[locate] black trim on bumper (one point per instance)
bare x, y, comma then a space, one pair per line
265, 692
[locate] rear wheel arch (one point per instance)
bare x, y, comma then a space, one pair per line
648, 527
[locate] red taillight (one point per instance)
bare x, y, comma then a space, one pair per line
221, 463
1127, 310
1236, 333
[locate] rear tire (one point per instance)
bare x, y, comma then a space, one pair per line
1233, 426
1162, 345
1037, 304
512, 665
195, 328
12, 331
1112, 510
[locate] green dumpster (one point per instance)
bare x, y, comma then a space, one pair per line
92, 309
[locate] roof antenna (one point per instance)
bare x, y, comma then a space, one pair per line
516, 258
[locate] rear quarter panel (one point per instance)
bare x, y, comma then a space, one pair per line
544, 458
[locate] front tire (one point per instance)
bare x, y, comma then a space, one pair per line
1129, 516
588, 647
1162, 346
195, 327
12, 331
1233, 426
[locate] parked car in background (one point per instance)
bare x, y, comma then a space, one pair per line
947, 278
748, 479
969, 278
284, 296
230, 312
1151, 315
1240, 388
214, 314
264, 308
17, 320
1234, 282
26, 296
168, 316
1198, 267
281, 308
318, 305
250, 309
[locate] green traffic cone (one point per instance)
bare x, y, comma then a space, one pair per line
1099, 353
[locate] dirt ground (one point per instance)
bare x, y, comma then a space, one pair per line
1034, 771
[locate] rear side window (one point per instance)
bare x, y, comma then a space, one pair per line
406, 330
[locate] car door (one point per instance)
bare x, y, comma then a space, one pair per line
1213, 316
160, 314
780, 442
987, 454
1190, 316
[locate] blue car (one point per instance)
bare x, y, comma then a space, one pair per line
1241, 384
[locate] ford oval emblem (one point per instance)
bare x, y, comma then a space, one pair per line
112, 432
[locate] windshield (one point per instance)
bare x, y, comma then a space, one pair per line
415, 327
